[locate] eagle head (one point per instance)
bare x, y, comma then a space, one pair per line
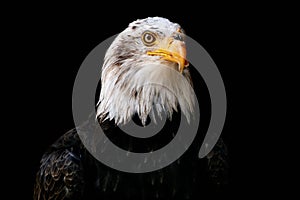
145, 72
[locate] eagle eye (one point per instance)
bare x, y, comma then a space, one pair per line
148, 38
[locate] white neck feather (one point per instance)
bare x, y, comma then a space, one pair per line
148, 89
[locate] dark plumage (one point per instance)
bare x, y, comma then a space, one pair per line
69, 171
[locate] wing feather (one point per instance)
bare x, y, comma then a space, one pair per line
61, 174
218, 163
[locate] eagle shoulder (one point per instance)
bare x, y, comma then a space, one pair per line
61, 172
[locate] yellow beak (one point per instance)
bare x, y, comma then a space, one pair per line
174, 51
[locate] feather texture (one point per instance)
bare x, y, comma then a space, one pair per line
61, 171
69, 171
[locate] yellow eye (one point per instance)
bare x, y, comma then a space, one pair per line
148, 38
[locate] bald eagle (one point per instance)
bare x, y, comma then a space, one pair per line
69, 171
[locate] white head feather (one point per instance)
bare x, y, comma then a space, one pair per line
134, 82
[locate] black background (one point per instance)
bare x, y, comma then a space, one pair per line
49, 44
